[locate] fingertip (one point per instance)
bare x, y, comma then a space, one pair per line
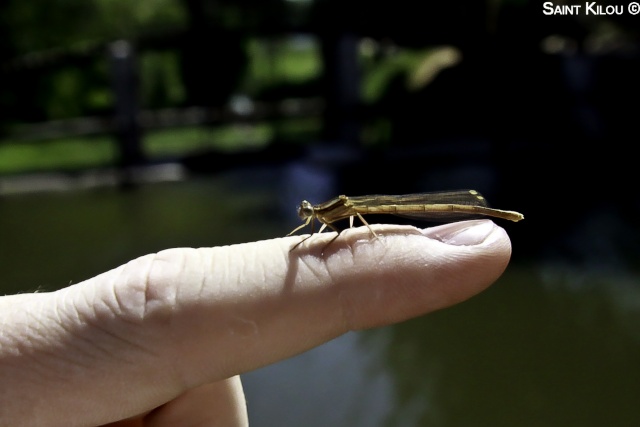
467, 233
410, 272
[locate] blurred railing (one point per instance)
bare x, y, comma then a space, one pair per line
127, 122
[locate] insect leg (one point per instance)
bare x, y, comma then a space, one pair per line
366, 223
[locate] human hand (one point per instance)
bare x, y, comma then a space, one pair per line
161, 340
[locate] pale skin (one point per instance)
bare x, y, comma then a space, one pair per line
162, 340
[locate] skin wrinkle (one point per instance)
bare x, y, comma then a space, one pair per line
239, 274
312, 265
26, 346
180, 293
106, 336
167, 258
89, 338
107, 321
243, 323
67, 301
98, 347
156, 295
72, 317
345, 303
208, 268
440, 273
39, 369
212, 276
158, 298
262, 272
119, 307
52, 355
130, 343
8, 343
346, 242
347, 308
320, 265
246, 274
361, 248
266, 272
219, 269
146, 285
351, 247
255, 261
333, 276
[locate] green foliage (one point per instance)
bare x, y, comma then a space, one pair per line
161, 83
275, 62
34, 26
75, 92
90, 152
177, 142
132, 18
69, 154
415, 67
57, 69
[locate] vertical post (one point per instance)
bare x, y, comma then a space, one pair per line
343, 88
125, 88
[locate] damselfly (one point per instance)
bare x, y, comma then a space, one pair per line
443, 206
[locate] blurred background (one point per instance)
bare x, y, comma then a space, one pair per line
131, 127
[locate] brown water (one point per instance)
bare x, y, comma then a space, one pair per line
550, 344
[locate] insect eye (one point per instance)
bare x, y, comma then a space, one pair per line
305, 210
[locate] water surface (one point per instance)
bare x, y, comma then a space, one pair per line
550, 344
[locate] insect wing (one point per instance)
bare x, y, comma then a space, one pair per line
416, 206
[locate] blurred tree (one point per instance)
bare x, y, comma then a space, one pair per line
52, 58
213, 49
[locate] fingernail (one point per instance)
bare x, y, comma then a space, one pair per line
465, 233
